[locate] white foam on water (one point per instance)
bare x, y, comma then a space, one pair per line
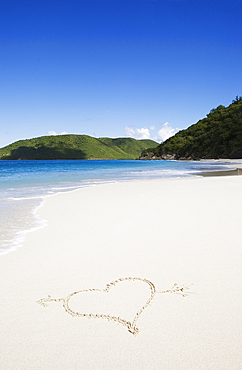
20, 216
21, 219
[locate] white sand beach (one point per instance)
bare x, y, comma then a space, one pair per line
184, 231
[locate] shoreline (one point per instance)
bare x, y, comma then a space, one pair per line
182, 231
19, 237
236, 172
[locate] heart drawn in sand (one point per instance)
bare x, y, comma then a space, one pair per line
76, 303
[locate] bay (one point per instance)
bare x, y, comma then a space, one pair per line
25, 184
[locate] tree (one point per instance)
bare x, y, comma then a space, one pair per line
237, 99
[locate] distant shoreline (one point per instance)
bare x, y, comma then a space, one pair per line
233, 172
236, 172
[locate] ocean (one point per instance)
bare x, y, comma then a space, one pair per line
24, 185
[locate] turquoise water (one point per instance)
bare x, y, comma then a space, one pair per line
25, 184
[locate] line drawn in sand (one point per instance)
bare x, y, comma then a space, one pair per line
131, 325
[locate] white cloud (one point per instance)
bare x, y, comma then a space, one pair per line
129, 131
142, 133
137, 133
166, 131
53, 133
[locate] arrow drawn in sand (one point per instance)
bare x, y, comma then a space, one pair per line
131, 324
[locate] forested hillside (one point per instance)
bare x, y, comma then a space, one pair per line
219, 135
75, 147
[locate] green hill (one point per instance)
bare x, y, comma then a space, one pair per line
75, 147
219, 135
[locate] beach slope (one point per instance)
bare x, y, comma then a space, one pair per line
94, 289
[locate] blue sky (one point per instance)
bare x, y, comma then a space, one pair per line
115, 68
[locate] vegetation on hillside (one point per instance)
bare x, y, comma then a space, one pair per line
75, 147
219, 135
